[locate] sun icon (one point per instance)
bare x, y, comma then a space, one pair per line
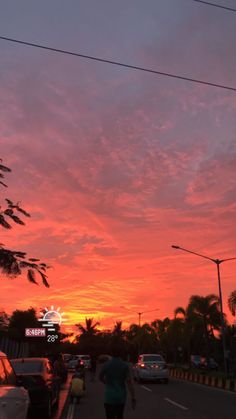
52, 317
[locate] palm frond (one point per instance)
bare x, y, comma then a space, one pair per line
31, 276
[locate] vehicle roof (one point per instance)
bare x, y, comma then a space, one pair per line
84, 355
150, 354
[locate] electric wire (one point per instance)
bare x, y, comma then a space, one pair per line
216, 5
118, 63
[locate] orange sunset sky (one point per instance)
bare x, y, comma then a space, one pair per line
116, 165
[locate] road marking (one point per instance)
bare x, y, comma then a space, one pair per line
71, 411
176, 404
146, 388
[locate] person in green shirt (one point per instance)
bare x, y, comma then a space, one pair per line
116, 376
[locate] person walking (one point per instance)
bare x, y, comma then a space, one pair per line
116, 376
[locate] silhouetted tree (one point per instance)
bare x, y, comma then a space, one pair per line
90, 328
4, 321
21, 319
232, 302
13, 262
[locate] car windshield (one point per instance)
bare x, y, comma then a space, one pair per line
27, 367
153, 358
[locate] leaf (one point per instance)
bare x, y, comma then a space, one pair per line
22, 211
31, 276
9, 202
3, 184
17, 220
4, 168
4, 223
33, 260
44, 279
20, 254
9, 212
23, 264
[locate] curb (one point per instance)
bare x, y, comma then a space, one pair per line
228, 384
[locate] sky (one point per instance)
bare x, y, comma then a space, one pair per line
116, 165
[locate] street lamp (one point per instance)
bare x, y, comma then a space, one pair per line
217, 262
143, 312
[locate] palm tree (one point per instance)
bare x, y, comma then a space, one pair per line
181, 311
90, 329
117, 330
232, 302
207, 311
143, 338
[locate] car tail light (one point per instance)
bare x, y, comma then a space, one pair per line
142, 365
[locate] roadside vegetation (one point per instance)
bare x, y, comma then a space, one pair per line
193, 330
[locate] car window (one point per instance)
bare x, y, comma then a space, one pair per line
10, 375
25, 367
153, 358
3, 378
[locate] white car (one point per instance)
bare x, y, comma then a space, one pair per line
151, 367
14, 401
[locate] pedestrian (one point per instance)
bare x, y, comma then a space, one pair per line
77, 384
116, 376
80, 371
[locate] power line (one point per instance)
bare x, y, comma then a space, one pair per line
216, 5
120, 64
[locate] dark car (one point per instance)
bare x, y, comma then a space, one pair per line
209, 364
38, 377
195, 361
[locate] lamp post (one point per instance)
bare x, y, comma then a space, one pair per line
139, 324
143, 312
217, 263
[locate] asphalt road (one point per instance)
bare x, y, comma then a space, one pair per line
176, 400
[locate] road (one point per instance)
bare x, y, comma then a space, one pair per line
176, 400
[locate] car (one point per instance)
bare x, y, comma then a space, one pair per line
14, 400
195, 361
209, 364
86, 359
38, 377
151, 367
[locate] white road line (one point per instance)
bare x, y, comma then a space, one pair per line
176, 404
146, 388
71, 411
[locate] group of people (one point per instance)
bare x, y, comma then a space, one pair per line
115, 374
